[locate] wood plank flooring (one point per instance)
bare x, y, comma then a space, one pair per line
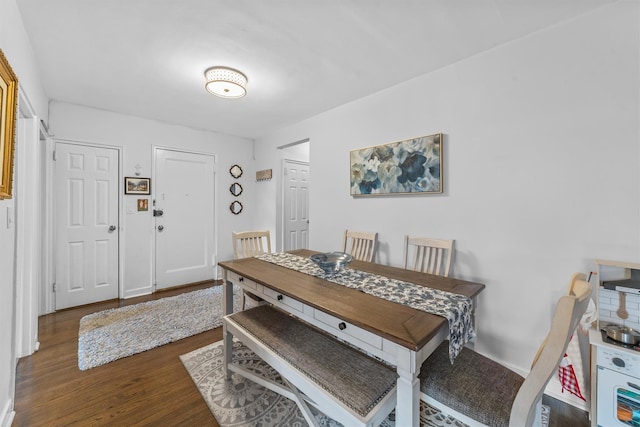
148, 389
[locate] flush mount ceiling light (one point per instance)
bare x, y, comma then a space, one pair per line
225, 82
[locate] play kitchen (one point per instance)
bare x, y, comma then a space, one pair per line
615, 346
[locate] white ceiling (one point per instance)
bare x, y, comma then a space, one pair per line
302, 57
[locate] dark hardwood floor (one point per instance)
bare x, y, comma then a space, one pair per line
148, 389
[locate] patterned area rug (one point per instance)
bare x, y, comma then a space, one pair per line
243, 403
113, 334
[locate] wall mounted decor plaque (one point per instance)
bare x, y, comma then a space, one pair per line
264, 175
411, 166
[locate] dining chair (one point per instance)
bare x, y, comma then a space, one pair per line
428, 255
481, 392
361, 245
247, 244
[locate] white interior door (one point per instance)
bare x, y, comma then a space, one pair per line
86, 224
296, 205
184, 192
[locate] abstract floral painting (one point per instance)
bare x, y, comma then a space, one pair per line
409, 166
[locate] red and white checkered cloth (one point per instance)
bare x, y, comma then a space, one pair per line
568, 378
570, 372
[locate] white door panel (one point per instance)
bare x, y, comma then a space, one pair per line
86, 218
184, 191
296, 205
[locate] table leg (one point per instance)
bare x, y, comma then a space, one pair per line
227, 350
408, 403
227, 338
227, 294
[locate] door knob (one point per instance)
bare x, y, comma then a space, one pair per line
112, 228
160, 227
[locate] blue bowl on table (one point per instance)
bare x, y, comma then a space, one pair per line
331, 262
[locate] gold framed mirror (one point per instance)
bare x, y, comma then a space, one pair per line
8, 106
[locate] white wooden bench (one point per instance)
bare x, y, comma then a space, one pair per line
317, 369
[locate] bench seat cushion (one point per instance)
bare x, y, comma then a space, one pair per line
352, 377
486, 398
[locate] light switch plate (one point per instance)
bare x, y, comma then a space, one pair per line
11, 222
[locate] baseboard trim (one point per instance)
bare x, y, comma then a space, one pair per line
7, 414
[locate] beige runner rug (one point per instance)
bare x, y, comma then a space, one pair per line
116, 333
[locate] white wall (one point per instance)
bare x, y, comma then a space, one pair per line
16, 48
136, 137
541, 155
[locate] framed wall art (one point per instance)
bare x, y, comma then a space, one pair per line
135, 185
143, 205
411, 166
8, 107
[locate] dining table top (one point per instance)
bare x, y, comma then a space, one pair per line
406, 326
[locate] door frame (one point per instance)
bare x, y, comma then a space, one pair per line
51, 220
154, 150
28, 236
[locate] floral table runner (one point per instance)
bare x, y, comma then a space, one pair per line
454, 307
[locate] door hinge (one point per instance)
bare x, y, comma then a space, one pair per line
54, 287
54, 155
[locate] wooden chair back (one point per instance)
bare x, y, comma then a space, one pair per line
361, 245
428, 255
569, 311
251, 243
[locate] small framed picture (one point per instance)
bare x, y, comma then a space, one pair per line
134, 185
143, 205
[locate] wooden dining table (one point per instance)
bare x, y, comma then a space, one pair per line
400, 335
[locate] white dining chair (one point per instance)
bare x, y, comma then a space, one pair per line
359, 244
247, 244
481, 392
428, 255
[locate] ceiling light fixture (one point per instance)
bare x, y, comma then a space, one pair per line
225, 82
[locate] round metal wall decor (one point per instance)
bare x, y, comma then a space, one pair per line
235, 207
235, 171
235, 189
